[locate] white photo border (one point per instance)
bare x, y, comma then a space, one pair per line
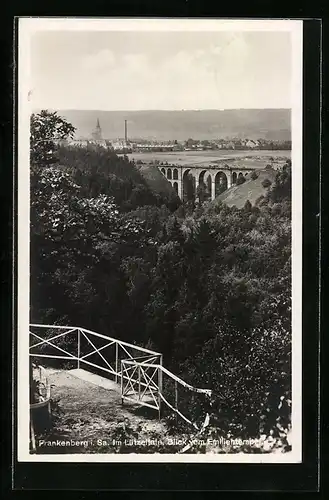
27, 26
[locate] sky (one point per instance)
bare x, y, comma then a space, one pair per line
138, 70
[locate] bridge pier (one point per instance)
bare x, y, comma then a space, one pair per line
213, 188
180, 189
229, 180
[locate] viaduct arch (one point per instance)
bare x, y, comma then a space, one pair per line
205, 182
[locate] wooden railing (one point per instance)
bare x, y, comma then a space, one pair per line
139, 369
148, 379
82, 345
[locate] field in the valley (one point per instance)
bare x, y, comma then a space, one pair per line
250, 158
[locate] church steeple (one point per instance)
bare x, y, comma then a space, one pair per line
97, 134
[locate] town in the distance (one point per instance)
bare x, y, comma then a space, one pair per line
137, 144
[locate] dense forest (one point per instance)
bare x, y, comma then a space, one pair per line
208, 286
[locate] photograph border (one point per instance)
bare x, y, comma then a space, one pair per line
305, 190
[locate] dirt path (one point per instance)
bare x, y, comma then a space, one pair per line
85, 412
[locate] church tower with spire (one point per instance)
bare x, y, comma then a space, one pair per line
97, 134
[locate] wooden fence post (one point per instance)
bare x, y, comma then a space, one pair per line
121, 382
48, 398
139, 383
78, 349
176, 397
32, 432
160, 385
117, 362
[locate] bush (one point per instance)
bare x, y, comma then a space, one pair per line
250, 381
266, 183
260, 200
240, 180
254, 176
247, 206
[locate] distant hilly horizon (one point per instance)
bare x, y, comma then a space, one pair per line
271, 124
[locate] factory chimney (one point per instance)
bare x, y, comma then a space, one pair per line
126, 136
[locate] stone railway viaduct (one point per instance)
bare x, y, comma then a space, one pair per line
214, 178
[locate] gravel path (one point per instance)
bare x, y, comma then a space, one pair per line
86, 412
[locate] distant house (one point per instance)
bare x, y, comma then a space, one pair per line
118, 145
99, 142
83, 143
251, 144
61, 142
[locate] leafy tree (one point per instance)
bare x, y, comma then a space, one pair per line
190, 143
46, 129
281, 190
189, 189
205, 143
201, 192
101, 171
220, 189
247, 206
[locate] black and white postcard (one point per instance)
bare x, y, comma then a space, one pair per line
159, 240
